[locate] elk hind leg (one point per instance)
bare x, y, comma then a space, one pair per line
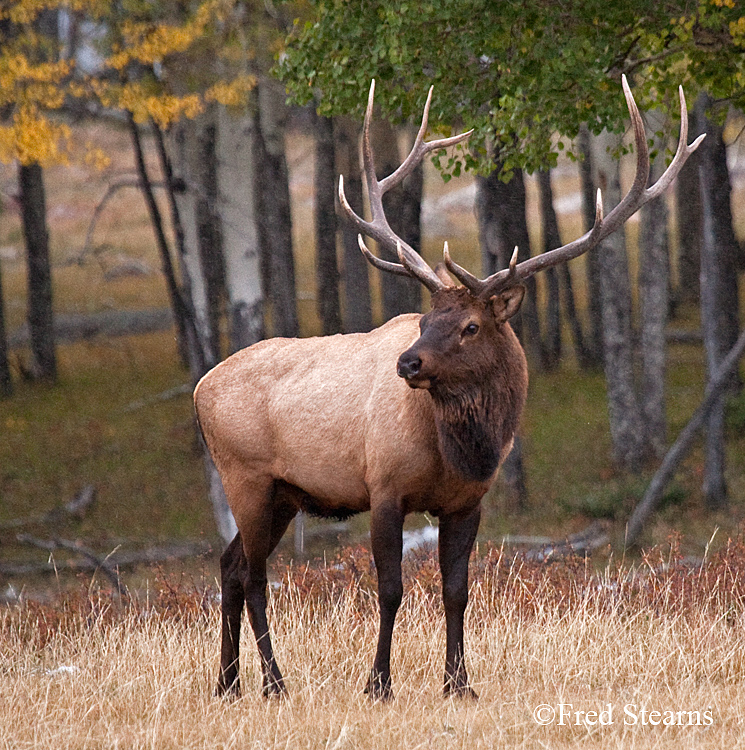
261, 531
244, 579
232, 573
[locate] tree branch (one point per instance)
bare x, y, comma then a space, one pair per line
74, 508
680, 448
78, 548
114, 188
116, 559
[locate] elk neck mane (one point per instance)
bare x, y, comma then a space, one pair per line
477, 421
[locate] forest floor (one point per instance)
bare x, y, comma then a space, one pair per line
105, 424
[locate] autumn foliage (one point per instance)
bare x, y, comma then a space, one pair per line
147, 57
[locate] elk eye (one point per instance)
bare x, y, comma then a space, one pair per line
471, 329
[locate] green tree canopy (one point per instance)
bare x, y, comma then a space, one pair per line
516, 72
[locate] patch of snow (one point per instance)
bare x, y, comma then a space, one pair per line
417, 538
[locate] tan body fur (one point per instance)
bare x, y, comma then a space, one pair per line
330, 417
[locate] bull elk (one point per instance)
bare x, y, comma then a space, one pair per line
414, 416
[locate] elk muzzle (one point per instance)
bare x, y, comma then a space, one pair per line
410, 368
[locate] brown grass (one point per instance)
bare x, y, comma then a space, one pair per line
88, 672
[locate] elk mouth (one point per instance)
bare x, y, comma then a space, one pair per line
411, 368
418, 382
414, 377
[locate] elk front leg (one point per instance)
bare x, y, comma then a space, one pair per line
457, 535
386, 529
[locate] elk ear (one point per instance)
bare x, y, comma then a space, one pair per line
507, 303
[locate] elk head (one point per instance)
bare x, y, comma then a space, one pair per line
450, 349
462, 318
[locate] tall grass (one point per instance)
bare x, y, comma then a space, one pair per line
661, 635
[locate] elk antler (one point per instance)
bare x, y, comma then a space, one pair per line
638, 195
412, 264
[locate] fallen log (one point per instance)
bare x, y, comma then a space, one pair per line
584, 542
71, 327
141, 403
680, 336
118, 559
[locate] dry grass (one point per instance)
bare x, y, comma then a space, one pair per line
663, 636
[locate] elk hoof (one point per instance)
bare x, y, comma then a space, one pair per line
274, 688
230, 692
459, 689
379, 687
464, 693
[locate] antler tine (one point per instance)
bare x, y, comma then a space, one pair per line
488, 286
383, 265
638, 195
512, 268
466, 278
412, 264
516, 273
364, 226
368, 158
682, 152
635, 198
420, 149
378, 228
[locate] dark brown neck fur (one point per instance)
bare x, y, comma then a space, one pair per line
476, 423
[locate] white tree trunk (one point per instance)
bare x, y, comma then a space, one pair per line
716, 386
713, 325
654, 298
273, 207
223, 517
594, 303
357, 303
240, 237
235, 208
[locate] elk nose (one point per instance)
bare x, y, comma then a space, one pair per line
408, 365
